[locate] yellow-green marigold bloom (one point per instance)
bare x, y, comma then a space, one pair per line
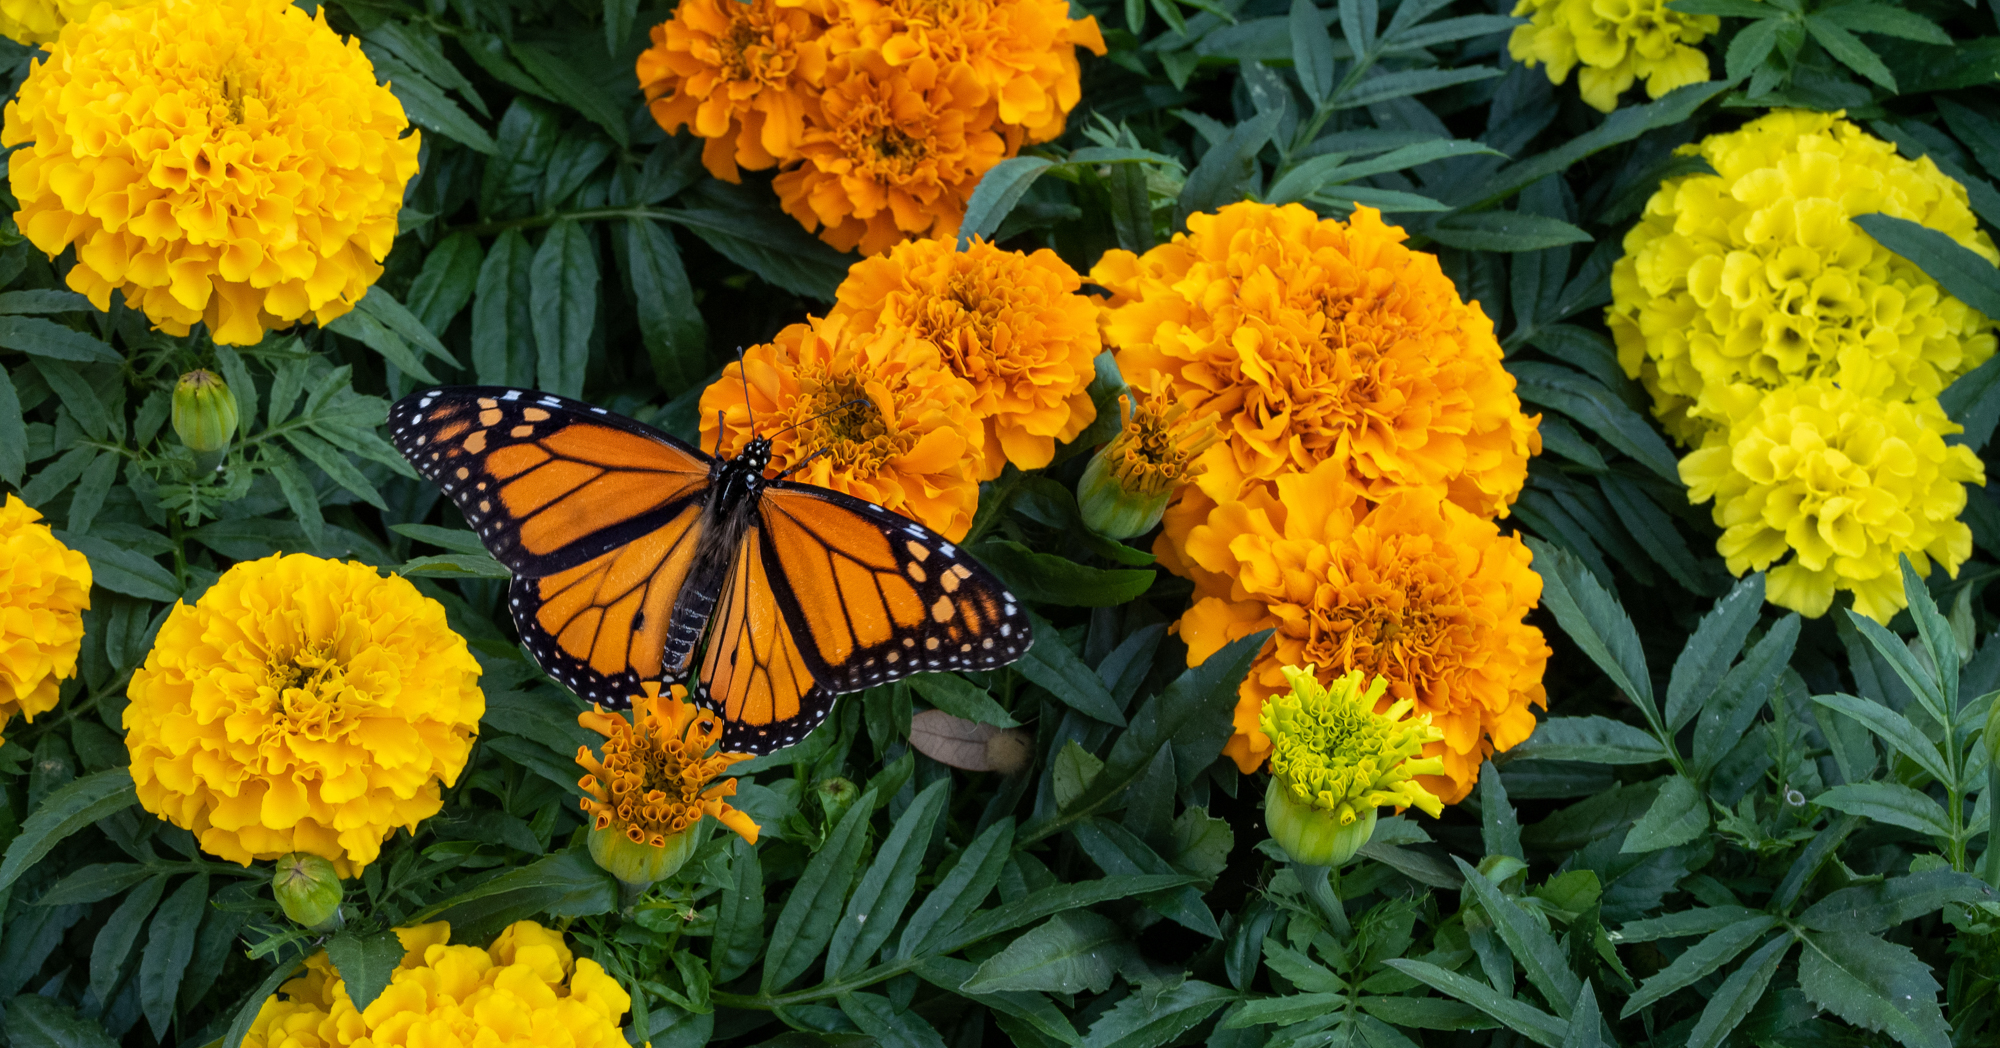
1844, 483
44, 591
38, 21
1756, 277
1332, 752
228, 162
1616, 42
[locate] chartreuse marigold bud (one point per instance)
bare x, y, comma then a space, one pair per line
205, 415
1335, 759
654, 785
1128, 483
308, 890
836, 795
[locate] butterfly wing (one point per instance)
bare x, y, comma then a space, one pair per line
753, 670
597, 516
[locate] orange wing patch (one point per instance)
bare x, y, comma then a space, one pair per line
753, 671
611, 613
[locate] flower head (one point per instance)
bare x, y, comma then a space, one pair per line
204, 412
1845, 484
1127, 484
658, 777
302, 705
1313, 340
39, 21
1616, 41
308, 889
876, 414
1416, 591
222, 161
1332, 748
894, 153
1010, 323
741, 75
526, 989
1756, 277
44, 591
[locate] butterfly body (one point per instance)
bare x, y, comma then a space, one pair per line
637, 557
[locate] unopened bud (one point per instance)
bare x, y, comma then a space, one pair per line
205, 416
1313, 836
637, 864
308, 889
1126, 486
835, 796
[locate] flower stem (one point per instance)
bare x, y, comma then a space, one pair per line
1322, 886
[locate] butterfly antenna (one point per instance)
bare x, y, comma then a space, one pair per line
743, 373
837, 408
802, 463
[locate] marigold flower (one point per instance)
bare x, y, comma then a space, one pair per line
895, 152
875, 414
1843, 482
222, 161
526, 989
1127, 483
1756, 277
38, 21
1010, 323
656, 781
1312, 340
741, 75
302, 705
1617, 42
1415, 590
44, 591
1024, 51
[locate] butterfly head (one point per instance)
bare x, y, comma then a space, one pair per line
755, 455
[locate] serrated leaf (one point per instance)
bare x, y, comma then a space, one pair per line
1738, 993
48, 339
563, 884
570, 86
1706, 657
1218, 178
1388, 87
739, 919
1595, 620
999, 189
1049, 579
1070, 953
1898, 900
1051, 664
429, 108
1530, 1022
813, 908
962, 890
334, 463
1599, 740
1312, 50
1875, 985
34, 1021
564, 304
1733, 707
961, 698
676, 336
1540, 956
1718, 949
1598, 410
115, 939
1505, 231
1888, 802
365, 963
889, 1026
169, 948
877, 906
1701, 920
13, 434
62, 813
1895, 729
1146, 1020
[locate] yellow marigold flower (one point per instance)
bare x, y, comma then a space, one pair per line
1024, 51
875, 414
44, 591
894, 153
1312, 340
1617, 42
38, 21
1334, 749
1010, 323
1845, 483
526, 989
1756, 277
1126, 486
302, 705
222, 161
741, 75
1415, 590
656, 781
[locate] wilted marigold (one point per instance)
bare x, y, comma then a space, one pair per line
878, 413
526, 989
38, 21
222, 161
741, 75
302, 705
44, 591
1843, 482
895, 152
1010, 323
1616, 41
1416, 590
1756, 277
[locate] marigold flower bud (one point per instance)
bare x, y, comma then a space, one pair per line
1126, 486
640, 863
836, 795
205, 415
308, 890
1313, 836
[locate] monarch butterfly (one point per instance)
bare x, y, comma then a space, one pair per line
637, 557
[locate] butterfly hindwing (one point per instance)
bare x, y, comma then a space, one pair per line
753, 671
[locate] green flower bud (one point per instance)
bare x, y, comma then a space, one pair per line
204, 416
835, 796
638, 864
1126, 486
308, 889
1313, 836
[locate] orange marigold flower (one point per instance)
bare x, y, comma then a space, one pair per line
1416, 590
1315, 340
228, 162
895, 152
658, 776
1024, 51
1009, 323
877, 413
741, 75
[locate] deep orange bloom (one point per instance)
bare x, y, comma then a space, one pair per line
1010, 323
878, 413
742, 75
1416, 590
658, 776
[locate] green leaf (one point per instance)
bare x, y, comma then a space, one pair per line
1599, 740
1918, 678
1967, 276
618, 18
999, 189
1719, 948
1220, 176
422, 51
94, 883
1059, 898
371, 332
1875, 985
1733, 707
1586, 1021
1940, 642
1045, 578
1739, 993
971, 879
1505, 231
1116, 850
1895, 729
446, 283
125, 571
1898, 900
456, 566
114, 941
890, 1026
675, 335
169, 948
503, 333
1070, 953
428, 107
1621, 126
1598, 410
397, 317
77, 394
246, 1015
1312, 51
962, 698
1848, 49
877, 906
564, 304
1701, 920
563, 884
1705, 659
13, 434
335, 464
34, 1021
1979, 132
240, 385
1525, 1019
1885, 20
62, 813
300, 496
1750, 47
1388, 87
48, 339
1595, 620
1426, 1013
91, 489
1888, 802
1147, 1020
766, 242
1051, 664
739, 916
812, 910
571, 87
1679, 814
950, 974
1541, 957
365, 963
